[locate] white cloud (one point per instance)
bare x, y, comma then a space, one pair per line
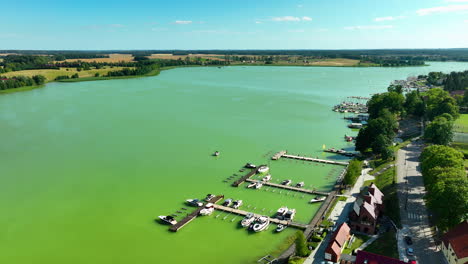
466, 21
456, 1
368, 27
388, 18
291, 18
258, 22
441, 9
183, 22
306, 18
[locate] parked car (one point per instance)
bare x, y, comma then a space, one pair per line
410, 251
408, 240
412, 260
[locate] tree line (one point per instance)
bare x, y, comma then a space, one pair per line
20, 81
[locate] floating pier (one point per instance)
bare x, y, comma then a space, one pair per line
291, 188
341, 152
282, 154
272, 220
193, 215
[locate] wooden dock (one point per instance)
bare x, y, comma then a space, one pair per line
278, 155
291, 188
193, 215
272, 220
341, 152
315, 160
244, 178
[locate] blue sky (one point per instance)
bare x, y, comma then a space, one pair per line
233, 24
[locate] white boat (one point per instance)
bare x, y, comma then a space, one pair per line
251, 185
266, 178
281, 212
286, 182
216, 153
250, 166
227, 202
261, 224
318, 199
194, 202
258, 185
280, 227
237, 204
300, 185
290, 214
168, 219
209, 197
248, 220
209, 209
263, 169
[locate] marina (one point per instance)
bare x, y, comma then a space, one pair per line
291, 188
282, 154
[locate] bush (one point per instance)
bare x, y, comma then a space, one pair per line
301, 245
354, 171
296, 260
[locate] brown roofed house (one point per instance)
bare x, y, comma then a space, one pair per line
337, 242
455, 244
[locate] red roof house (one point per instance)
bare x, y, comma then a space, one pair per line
364, 257
455, 244
337, 242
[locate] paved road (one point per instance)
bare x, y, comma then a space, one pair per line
413, 212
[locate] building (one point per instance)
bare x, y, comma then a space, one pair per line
366, 210
455, 244
337, 243
364, 257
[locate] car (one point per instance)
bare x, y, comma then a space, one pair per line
412, 260
408, 240
410, 251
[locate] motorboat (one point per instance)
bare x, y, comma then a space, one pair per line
261, 224
248, 220
286, 182
227, 202
237, 204
263, 169
216, 153
266, 178
280, 227
290, 214
168, 219
318, 199
258, 185
251, 185
281, 212
209, 209
194, 202
209, 197
300, 185
250, 166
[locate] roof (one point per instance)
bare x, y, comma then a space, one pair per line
356, 208
334, 248
458, 237
341, 234
378, 195
371, 258
370, 209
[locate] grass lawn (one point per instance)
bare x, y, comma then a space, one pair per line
52, 74
385, 245
461, 124
358, 241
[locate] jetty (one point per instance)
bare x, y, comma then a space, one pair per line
272, 220
291, 188
341, 152
193, 215
244, 178
283, 154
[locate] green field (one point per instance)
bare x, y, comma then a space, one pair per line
461, 124
52, 74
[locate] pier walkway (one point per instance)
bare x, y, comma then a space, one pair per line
282, 154
272, 220
291, 188
193, 215
341, 152
244, 178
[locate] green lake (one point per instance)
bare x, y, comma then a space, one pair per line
86, 167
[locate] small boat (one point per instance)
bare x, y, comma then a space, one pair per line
355, 125
250, 166
318, 199
280, 227
266, 178
258, 185
216, 153
290, 214
263, 169
248, 220
300, 185
209, 197
251, 185
194, 202
209, 209
168, 219
236, 204
281, 212
261, 224
227, 202
286, 182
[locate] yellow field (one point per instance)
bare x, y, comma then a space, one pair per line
112, 58
335, 62
52, 74
176, 57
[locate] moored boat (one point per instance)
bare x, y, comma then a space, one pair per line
261, 224
281, 212
300, 184
258, 185
286, 182
250, 166
290, 214
168, 219
209, 209
263, 169
318, 199
194, 202
266, 178
248, 220
280, 227
209, 197
251, 185
227, 202
236, 204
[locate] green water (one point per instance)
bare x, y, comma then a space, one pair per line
86, 167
